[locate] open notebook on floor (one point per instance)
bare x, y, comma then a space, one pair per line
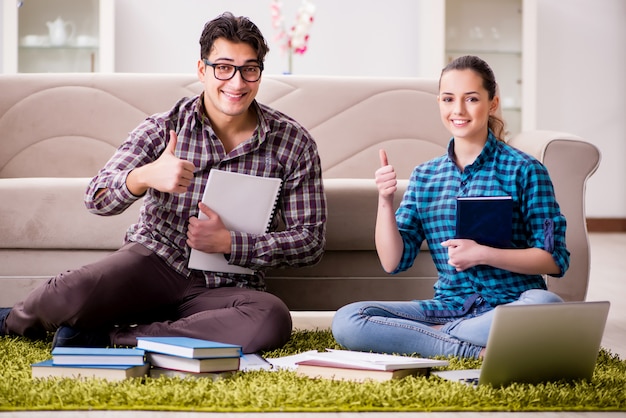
539, 343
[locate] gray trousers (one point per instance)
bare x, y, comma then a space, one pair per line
133, 293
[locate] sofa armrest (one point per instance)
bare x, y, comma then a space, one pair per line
570, 160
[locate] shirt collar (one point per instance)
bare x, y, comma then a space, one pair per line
262, 125
488, 150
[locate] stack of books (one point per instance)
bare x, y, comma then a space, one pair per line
360, 366
190, 357
104, 363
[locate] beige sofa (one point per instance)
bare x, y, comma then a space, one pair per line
57, 130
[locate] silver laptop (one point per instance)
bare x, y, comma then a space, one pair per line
539, 343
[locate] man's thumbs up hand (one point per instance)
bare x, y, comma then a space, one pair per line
171, 145
169, 173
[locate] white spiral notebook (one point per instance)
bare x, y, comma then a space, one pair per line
245, 203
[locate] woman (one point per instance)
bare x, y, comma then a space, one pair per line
473, 278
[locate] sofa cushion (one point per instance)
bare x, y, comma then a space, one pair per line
48, 213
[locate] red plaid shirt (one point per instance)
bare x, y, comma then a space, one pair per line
279, 147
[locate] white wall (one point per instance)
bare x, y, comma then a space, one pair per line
581, 88
1, 36
347, 37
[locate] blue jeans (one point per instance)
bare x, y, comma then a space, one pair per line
403, 328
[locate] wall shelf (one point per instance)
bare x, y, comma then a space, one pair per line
31, 45
492, 30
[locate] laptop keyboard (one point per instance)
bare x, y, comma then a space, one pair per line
470, 381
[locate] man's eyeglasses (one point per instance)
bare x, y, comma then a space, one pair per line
221, 71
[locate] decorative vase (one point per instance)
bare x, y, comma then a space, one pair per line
289, 62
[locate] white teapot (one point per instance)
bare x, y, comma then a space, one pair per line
60, 31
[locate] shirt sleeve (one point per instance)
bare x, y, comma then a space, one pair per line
143, 146
542, 214
302, 208
409, 226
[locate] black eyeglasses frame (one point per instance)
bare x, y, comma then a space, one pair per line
236, 67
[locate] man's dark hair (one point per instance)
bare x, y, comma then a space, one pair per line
234, 29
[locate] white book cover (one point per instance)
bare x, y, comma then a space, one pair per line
245, 203
254, 361
368, 361
157, 372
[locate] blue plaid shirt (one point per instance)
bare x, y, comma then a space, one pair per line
428, 212
279, 147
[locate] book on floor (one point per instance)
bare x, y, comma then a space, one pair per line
361, 366
357, 375
47, 368
253, 361
367, 361
245, 203
289, 362
157, 372
97, 356
188, 347
488, 220
197, 365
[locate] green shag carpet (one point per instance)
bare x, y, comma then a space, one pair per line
283, 391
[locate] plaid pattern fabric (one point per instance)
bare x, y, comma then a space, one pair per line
280, 147
428, 212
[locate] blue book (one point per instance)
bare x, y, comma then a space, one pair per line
97, 356
188, 347
47, 368
488, 220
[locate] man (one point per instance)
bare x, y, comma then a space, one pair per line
146, 288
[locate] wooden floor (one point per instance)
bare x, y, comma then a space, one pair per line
608, 282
